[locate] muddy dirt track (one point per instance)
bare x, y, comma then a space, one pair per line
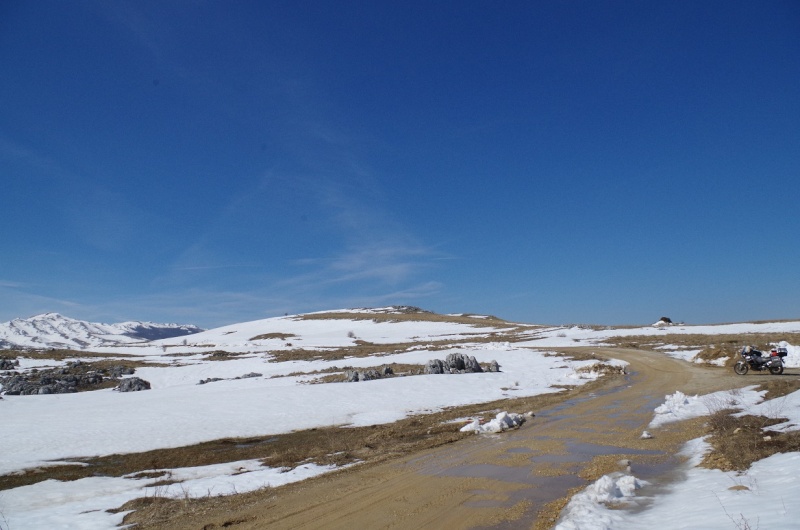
518, 479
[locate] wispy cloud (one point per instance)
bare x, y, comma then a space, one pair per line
20, 302
391, 264
212, 267
42, 164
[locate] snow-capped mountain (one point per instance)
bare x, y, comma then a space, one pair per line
52, 330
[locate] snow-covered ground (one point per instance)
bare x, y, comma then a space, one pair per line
50, 429
44, 430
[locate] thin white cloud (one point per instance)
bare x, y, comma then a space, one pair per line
18, 302
391, 264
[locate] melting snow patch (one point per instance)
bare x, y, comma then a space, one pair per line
587, 509
679, 406
502, 422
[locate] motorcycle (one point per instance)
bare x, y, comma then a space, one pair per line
753, 359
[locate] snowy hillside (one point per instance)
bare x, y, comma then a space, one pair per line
270, 377
198, 396
52, 330
336, 329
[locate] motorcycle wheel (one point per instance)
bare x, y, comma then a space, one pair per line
741, 368
776, 370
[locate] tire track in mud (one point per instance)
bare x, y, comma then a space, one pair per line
517, 479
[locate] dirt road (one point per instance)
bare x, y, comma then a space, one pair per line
518, 479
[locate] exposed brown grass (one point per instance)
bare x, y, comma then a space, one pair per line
780, 386
477, 321
222, 355
363, 348
276, 335
738, 441
59, 355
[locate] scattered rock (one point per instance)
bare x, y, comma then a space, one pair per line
133, 384
454, 363
434, 366
118, 371
369, 375
209, 380
353, 376
8, 364
74, 377
459, 363
494, 367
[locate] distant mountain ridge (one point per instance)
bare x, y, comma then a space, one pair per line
53, 330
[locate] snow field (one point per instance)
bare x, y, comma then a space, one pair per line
177, 411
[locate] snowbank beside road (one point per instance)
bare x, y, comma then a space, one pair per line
678, 406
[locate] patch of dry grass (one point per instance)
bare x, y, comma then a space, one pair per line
362, 348
268, 336
59, 355
779, 387
738, 441
480, 321
222, 355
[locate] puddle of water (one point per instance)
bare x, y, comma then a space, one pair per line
546, 489
657, 472
517, 474
554, 411
592, 450
549, 458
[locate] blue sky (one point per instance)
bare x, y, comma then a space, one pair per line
546, 162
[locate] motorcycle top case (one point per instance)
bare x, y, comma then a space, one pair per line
780, 352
